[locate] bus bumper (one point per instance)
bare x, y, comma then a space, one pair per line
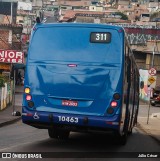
72, 122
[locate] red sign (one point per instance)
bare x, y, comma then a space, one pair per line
152, 71
11, 56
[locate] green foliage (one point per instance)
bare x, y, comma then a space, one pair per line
2, 81
155, 15
123, 16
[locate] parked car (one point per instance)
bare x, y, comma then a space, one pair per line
155, 101
156, 92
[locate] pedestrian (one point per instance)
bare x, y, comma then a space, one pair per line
19, 78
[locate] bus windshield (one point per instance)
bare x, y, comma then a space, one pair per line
97, 45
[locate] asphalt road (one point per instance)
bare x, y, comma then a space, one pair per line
19, 137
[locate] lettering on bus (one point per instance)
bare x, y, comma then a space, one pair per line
11, 56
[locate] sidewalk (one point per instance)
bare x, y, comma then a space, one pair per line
152, 128
6, 117
152, 125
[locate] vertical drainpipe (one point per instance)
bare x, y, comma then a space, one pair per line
10, 37
11, 20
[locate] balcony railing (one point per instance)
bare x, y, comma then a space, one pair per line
147, 66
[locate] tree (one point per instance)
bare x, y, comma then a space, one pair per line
123, 16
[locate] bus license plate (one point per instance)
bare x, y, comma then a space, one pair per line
69, 103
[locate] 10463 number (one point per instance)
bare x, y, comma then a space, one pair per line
68, 119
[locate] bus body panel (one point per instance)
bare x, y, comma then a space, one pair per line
92, 88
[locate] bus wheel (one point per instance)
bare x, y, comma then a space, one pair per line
124, 136
123, 139
58, 133
63, 134
53, 133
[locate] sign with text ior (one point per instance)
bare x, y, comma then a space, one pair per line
11, 56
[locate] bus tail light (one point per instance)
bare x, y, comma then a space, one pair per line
28, 97
116, 96
30, 104
27, 90
114, 104
110, 110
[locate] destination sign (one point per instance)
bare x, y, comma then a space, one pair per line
100, 37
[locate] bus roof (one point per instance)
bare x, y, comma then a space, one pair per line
79, 25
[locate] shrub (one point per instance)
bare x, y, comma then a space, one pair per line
2, 81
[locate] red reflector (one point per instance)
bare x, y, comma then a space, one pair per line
28, 97
108, 122
72, 65
29, 114
112, 123
120, 30
113, 104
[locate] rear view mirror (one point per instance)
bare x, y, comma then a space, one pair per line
142, 84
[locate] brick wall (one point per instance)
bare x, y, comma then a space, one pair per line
158, 79
4, 34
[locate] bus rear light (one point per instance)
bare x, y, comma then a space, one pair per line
110, 110
120, 30
116, 96
30, 104
29, 114
28, 97
27, 90
108, 122
114, 104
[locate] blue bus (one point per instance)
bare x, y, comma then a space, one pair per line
80, 77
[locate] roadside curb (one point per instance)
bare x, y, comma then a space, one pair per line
10, 121
148, 132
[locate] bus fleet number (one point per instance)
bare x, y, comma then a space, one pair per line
68, 119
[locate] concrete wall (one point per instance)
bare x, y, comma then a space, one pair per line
5, 95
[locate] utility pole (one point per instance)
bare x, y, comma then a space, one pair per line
152, 65
11, 19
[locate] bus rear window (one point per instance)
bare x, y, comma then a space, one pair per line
75, 44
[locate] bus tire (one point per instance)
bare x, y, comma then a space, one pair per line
53, 133
63, 134
124, 136
58, 133
123, 139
